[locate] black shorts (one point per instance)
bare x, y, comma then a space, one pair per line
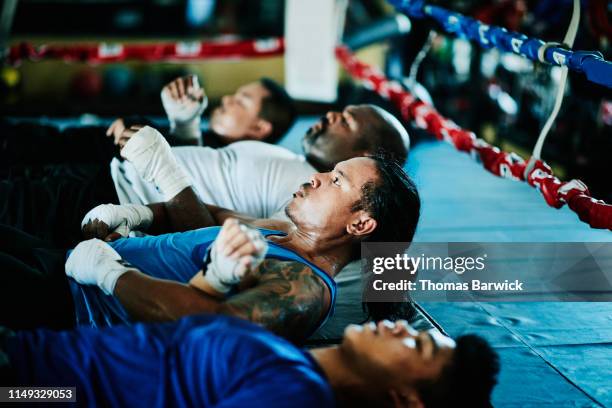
34, 290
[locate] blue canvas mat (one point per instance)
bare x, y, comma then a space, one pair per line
553, 354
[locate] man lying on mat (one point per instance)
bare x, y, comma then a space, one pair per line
289, 289
260, 110
217, 361
249, 177
68, 170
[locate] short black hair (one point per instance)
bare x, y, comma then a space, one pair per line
385, 134
467, 380
277, 108
393, 201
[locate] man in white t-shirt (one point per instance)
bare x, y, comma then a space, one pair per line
251, 177
257, 178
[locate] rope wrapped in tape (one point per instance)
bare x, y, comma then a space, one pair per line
591, 63
536, 173
182, 51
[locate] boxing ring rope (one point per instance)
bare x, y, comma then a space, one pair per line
180, 51
590, 63
383, 29
536, 173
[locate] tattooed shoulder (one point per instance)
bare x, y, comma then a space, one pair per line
289, 299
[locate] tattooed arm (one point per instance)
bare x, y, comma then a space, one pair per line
287, 298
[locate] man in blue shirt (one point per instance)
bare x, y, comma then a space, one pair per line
161, 278
215, 361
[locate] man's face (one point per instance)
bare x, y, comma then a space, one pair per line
337, 135
395, 354
324, 205
239, 113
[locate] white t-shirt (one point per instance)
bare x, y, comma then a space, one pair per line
249, 177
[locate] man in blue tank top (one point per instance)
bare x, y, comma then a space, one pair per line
282, 281
217, 361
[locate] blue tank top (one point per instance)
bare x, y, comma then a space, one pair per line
178, 257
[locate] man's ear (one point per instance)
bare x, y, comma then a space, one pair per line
362, 224
406, 399
260, 129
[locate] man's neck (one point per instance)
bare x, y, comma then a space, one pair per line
338, 371
329, 254
350, 388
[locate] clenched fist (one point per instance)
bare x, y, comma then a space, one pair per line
238, 250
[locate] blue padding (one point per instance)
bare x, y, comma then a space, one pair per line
589, 366
555, 323
463, 202
527, 381
553, 354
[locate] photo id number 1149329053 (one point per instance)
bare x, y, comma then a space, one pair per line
37, 394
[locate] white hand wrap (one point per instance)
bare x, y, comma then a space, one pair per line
94, 262
224, 272
121, 218
184, 116
152, 157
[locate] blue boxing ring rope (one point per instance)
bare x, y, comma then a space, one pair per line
590, 63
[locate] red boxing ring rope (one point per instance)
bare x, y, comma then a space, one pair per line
181, 51
536, 173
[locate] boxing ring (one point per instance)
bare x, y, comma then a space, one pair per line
553, 354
